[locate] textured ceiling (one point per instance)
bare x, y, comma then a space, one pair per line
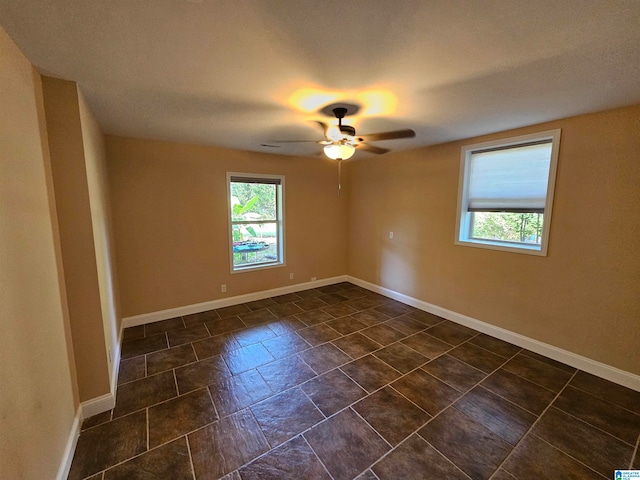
242, 73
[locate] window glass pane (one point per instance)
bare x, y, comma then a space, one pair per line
253, 201
508, 227
254, 243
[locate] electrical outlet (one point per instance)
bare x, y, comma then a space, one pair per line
390, 234
291, 276
313, 279
223, 288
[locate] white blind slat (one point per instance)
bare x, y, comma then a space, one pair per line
513, 178
272, 181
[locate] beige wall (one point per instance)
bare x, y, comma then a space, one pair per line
99, 202
583, 297
37, 400
72, 196
170, 220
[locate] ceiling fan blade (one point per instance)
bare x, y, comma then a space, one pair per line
295, 141
325, 128
371, 149
331, 132
372, 137
323, 125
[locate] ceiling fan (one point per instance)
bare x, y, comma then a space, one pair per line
341, 141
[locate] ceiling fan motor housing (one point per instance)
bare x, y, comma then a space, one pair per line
340, 112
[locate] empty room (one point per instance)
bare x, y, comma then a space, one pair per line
273, 239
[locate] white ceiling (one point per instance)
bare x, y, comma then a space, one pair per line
226, 72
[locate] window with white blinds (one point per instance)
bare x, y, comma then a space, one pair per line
506, 192
256, 221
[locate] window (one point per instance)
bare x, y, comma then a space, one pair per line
255, 221
506, 193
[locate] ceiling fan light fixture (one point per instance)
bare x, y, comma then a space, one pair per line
341, 151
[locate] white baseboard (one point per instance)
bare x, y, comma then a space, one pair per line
105, 402
70, 447
594, 367
145, 318
98, 405
588, 365
88, 409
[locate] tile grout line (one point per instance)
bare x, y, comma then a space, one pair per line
316, 455
501, 366
144, 453
307, 364
596, 428
533, 425
312, 403
137, 455
175, 382
493, 475
604, 399
186, 434
195, 354
568, 455
487, 350
382, 387
478, 384
413, 403
215, 409
372, 428
402, 375
370, 467
523, 378
635, 453
263, 454
372, 473
193, 467
443, 455
309, 428
451, 405
146, 415
255, 419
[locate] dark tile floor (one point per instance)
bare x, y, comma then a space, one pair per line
338, 382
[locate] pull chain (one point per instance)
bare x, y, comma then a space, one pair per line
339, 176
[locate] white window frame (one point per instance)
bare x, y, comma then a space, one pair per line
463, 220
280, 262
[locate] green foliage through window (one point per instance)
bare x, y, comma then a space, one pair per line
508, 226
256, 199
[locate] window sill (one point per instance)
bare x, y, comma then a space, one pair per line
251, 268
537, 250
